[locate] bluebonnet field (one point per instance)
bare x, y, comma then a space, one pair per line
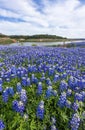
42, 88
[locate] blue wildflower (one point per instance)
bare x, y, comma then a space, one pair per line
15, 105
60, 69
51, 71
71, 82
13, 69
81, 83
56, 78
75, 106
42, 78
64, 75
5, 95
1, 88
21, 107
22, 73
63, 86
68, 104
29, 68
78, 97
54, 92
83, 95
19, 87
11, 91
48, 81
18, 106
28, 82
75, 121
1, 81
33, 78
69, 92
13, 75
62, 99
40, 110
18, 74
23, 96
24, 81
2, 126
49, 92
39, 89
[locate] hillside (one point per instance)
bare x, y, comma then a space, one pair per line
37, 38
4, 39
3, 35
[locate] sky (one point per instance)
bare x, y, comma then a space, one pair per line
57, 17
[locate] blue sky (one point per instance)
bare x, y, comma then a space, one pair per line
61, 17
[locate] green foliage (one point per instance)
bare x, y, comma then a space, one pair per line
34, 44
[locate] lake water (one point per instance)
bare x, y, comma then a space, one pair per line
38, 43
78, 43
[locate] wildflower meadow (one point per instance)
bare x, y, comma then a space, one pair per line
42, 88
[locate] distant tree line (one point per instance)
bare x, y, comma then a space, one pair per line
2, 35
40, 36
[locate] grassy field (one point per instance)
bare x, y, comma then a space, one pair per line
5, 41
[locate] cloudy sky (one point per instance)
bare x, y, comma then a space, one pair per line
61, 17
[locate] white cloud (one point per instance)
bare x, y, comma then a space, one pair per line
65, 18
7, 13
